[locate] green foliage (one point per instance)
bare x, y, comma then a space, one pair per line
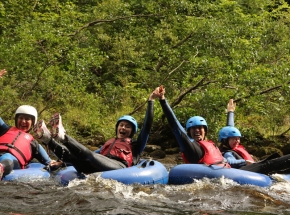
96, 60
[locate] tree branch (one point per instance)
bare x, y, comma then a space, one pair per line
100, 21
183, 41
140, 106
172, 71
161, 61
261, 92
182, 95
283, 133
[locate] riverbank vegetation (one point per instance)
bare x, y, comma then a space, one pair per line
94, 61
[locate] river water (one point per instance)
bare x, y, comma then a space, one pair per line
103, 196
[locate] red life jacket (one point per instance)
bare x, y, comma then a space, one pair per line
240, 150
17, 143
212, 155
119, 149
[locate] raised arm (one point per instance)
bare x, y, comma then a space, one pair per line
230, 113
176, 127
148, 121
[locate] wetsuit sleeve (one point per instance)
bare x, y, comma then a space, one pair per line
235, 163
39, 153
98, 150
3, 125
3, 131
177, 129
230, 119
139, 145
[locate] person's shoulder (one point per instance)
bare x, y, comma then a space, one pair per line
210, 141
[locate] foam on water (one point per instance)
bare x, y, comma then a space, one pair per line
219, 195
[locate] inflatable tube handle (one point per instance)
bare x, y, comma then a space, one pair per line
144, 164
151, 163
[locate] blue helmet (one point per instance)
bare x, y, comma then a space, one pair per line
196, 121
229, 131
129, 119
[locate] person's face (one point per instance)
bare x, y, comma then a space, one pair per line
124, 129
197, 133
24, 122
234, 141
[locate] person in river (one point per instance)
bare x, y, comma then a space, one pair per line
17, 146
237, 155
118, 152
194, 146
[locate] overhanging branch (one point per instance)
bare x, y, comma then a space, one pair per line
100, 21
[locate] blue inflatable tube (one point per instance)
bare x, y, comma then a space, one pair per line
33, 171
186, 173
146, 172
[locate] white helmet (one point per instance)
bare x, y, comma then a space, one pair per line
27, 109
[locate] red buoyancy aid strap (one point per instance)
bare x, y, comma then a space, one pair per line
240, 149
11, 146
212, 155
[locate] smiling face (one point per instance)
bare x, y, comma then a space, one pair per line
124, 129
234, 142
24, 122
197, 133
